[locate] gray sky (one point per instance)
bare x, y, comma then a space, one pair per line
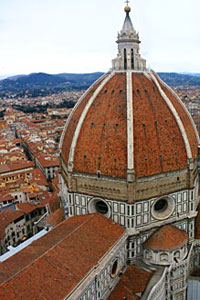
57, 36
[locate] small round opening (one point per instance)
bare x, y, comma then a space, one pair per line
161, 205
114, 269
98, 205
101, 207
163, 208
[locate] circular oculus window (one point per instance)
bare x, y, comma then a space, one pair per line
100, 206
163, 208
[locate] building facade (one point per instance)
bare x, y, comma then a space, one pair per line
129, 151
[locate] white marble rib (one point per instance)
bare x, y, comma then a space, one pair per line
83, 115
130, 144
175, 114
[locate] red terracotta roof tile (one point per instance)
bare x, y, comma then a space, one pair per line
56, 217
6, 197
76, 113
167, 238
50, 268
134, 280
14, 166
54, 202
48, 160
7, 217
189, 128
158, 143
29, 207
102, 143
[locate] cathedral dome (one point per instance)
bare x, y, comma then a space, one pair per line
126, 121
129, 126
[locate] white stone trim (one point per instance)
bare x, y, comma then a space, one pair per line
130, 139
75, 107
83, 115
147, 74
175, 114
183, 106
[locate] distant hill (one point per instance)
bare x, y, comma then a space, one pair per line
175, 79
191, 74
37, 84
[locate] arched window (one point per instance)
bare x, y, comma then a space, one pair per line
163, 257
125, 59
132, 59
148, 255
177, 254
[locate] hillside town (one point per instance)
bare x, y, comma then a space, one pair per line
29, 168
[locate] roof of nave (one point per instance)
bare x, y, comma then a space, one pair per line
50, 267
56, 217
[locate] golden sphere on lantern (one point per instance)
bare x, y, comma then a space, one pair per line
127, 9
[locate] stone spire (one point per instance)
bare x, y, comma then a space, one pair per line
128, 57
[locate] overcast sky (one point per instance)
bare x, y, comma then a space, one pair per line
57, 36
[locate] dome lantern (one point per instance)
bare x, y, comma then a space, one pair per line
128, 57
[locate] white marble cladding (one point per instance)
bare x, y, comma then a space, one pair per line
158, 290
103, 281
176, 280
164, 257
134, 245
63, 194
137, 216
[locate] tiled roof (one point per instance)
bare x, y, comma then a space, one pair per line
168, 238
9, 167
159, 144
28, 207
70, 130
7, 217
184, 118
54, 202
134, 280
51, 267
6, 197
48, 160
103, 137
56, 217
